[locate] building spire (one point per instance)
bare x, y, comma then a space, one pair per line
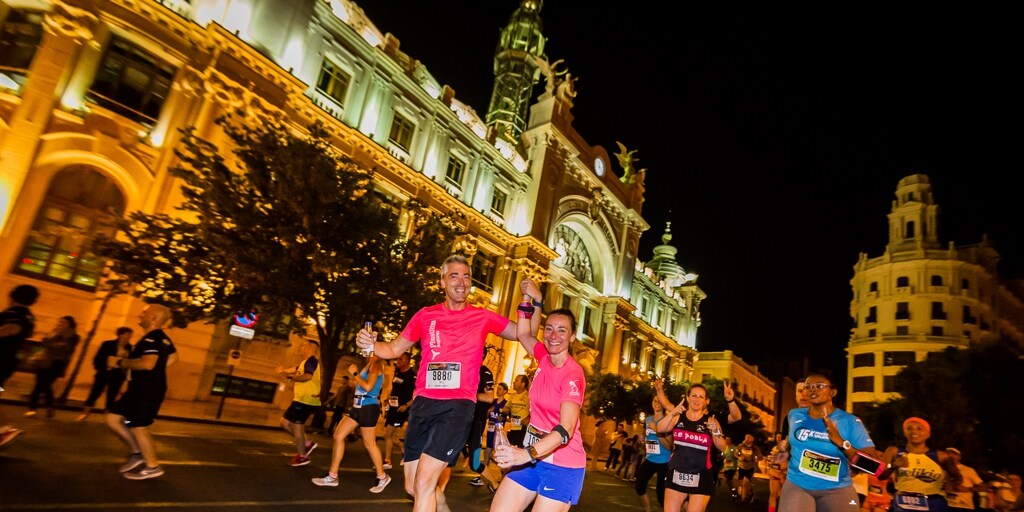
516, 71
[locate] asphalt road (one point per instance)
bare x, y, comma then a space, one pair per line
61, 465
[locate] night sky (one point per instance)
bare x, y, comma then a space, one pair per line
773, 140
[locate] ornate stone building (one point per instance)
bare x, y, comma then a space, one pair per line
93, 95
920, 297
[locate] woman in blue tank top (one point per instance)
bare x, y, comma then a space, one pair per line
363, 412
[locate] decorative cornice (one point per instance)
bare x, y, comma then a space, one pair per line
71, 22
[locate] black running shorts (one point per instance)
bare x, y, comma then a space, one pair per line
438, 428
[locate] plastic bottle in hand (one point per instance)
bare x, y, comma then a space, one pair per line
367, 352
500, 439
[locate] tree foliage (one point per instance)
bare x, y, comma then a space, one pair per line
967, 396
289, 226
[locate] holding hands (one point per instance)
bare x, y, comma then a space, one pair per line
530, 290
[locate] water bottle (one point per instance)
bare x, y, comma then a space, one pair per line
367, 352
500, 439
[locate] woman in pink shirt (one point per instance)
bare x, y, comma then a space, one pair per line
549, 471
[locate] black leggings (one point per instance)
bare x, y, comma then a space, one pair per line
45, 377
643, 476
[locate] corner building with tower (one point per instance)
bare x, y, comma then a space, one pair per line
93, 95
920, 297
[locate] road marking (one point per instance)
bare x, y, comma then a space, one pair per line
201, 505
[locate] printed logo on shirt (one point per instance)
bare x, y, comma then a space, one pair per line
804, 434
574, 389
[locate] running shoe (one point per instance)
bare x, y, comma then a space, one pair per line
327, 481
144, 473
477, 481
309, 449
134, 460
381, 484
8, 437
387, 464
299, 460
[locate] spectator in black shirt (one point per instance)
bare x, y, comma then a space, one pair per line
108, 378
16, 325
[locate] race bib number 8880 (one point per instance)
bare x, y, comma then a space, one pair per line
444, 375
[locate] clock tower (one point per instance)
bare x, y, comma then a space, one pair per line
516, 71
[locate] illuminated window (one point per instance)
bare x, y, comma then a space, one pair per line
401, 132
899, 358
498, 201
483, 268
333, 81
456, 171
80, 204
20, 35
132, 82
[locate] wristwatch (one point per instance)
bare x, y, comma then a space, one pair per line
846, 445
533, 452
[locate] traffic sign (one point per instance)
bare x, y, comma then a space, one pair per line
241, 332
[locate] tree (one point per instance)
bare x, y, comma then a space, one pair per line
968, 398
288, 226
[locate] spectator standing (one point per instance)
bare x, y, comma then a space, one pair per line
51, 361
518, 410
108, 379
135, 411
628, 448
403, 384
16, 325
962, 497
615, 447
306, 389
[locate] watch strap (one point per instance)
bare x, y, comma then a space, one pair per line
532, 450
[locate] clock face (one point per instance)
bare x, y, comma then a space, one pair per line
599, 166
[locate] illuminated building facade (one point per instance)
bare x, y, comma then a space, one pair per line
920, 297
756, 391
93, 95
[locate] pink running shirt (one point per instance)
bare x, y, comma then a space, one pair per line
551, 386
452, 345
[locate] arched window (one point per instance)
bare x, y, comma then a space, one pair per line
79, 204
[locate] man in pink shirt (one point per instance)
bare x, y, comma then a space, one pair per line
452, 337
